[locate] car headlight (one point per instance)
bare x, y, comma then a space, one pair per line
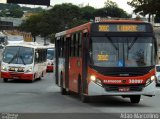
150, 80
96, 80
4, 67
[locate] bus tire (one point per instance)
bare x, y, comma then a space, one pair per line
31, 81
63, 90
135, 98
5, 80
84, 98
39, 78
79, 85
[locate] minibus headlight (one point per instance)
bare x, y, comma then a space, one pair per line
96, 80
150, 80
29, 69
4, 67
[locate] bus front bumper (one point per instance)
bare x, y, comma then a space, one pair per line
16, 75
96, 90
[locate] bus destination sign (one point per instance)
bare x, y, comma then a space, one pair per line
121, 28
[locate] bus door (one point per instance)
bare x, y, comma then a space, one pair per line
67, 52
85, 49
57, 43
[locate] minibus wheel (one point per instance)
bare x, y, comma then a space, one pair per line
5, 80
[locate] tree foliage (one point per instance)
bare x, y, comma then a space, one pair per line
110, 4
88, 12
145, 7
31, 25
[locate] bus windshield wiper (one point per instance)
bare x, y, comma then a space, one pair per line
13, 58
22, 60
132, 43
110, 40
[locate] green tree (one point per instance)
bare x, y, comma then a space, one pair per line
66, 14
145, 7
88, 12
110, 3
31, 25
111, 9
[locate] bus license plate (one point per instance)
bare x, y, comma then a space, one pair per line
124, 89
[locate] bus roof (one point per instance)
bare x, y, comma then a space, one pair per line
86, 26
78, 28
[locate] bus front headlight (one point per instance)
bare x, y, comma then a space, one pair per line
150, 80
96, 80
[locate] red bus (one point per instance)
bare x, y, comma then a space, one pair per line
109, 57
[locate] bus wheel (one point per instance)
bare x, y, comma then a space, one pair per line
63, 90
5, 80
79, 85
135, 98
31, 81
39, 78
84, 98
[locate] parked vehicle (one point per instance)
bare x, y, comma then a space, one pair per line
23, 61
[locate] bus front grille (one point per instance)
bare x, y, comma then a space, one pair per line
16, 69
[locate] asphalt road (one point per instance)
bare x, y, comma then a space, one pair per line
43, 96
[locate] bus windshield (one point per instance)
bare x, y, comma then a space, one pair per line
18, 55
50, 54
122, 51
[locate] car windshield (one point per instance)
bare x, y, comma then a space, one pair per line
18, 55
50, 54
122, 51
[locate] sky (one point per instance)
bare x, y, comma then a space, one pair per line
95, 3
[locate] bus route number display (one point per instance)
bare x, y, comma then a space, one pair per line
121, 28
